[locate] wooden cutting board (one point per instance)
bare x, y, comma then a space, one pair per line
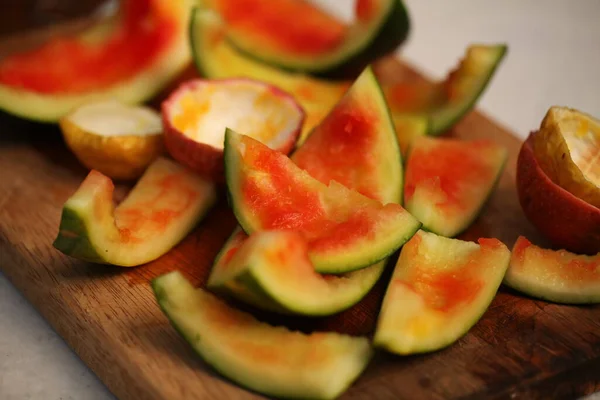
520, 349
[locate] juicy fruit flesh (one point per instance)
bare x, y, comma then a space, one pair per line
356, 126
142, 216
355, 145
567, 147
442, 286
413, 97
112, 118
204, 109
453, 178
310, 31
555, 275
319, 365
277, 262
261, 32
163, 206
146, 28
453, 168
271, 192
305, 212
569, 268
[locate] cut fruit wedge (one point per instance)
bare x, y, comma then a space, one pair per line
215, 58
567, 147
270, 360
295, 35
196, 114
449, 180
356, 144
161, 209
271, 270
440, 288
345, 230
118, 140
129, 57
445, 103
554, 275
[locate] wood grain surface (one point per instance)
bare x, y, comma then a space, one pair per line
520, 349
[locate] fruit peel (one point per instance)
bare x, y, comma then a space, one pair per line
162, 208
567, 147
271, 270
197, 113
564, 219
558, 276
130, 86
339, 51
116, 154
439, 289
321, 365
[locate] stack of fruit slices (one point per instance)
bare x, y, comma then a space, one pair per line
326, 218
318, 161
310, 245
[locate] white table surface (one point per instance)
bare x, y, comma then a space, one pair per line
554, 58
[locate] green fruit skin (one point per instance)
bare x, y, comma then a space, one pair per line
393, 31
76, 242
447, 116
195, 340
